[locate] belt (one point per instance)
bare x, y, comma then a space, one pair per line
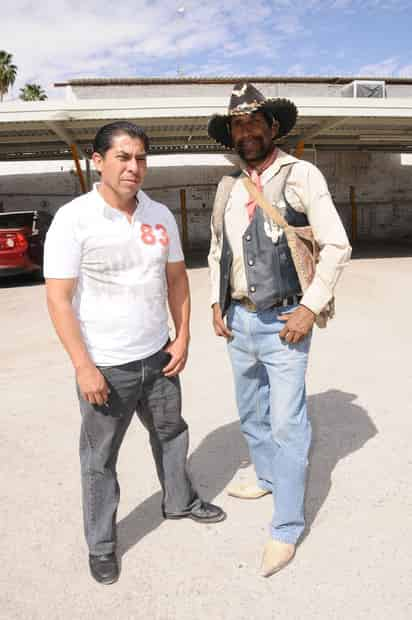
286, 301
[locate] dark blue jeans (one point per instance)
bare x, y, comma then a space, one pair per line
139, 387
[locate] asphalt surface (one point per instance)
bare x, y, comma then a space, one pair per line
355, 559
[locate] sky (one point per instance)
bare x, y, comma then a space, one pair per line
59, 40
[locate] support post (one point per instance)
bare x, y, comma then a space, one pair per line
183, 213
57, 127
354, 219
300, 147
88, 174
79, 171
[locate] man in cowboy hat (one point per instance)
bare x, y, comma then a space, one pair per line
269, 319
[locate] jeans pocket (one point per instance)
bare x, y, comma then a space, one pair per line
165, 358
159, 360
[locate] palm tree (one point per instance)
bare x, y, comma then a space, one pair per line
32, 92
8, 72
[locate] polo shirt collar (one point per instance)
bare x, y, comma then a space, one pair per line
110, 212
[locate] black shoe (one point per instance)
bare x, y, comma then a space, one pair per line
203, 513
104, 568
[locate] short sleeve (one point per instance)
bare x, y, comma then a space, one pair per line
175, 247
62, 249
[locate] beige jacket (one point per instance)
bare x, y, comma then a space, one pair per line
307, 192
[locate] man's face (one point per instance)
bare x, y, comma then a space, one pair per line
252, 137
123, 166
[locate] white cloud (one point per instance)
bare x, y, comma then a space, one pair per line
55, 41
58, 40
383, 5
296, 70
389, 67
405, 71
383, 68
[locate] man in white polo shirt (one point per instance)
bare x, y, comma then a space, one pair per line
113, 261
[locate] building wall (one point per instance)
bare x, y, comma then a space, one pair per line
37, 185
382, 188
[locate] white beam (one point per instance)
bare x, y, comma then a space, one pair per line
65, 134
189, 107
306, 136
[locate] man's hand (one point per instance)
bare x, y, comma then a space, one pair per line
219, 323
92, 385
298, 324
179, 350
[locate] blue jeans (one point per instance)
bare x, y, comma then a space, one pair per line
269, 379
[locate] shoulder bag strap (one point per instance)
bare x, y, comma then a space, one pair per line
272, 211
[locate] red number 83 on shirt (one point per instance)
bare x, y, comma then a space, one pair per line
149, 236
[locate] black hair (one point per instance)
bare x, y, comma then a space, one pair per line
104, 137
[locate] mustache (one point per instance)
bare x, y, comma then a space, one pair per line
258, 146
244, 141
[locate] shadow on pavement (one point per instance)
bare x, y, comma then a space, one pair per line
340, 427
196, 259
212, 465
139, 523
382, 249
20, 281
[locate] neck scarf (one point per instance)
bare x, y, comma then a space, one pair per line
254, 174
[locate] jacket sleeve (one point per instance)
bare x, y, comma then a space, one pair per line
216, 225
328, 230
214, 266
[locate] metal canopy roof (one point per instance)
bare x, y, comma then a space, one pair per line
230, 79
45, 130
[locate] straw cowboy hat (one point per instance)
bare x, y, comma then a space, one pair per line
246, 99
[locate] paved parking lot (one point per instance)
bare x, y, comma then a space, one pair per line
355, 561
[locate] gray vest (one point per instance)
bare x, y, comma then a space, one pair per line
270, 273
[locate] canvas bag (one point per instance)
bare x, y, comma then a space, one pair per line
302, 244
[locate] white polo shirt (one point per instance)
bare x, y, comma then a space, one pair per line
121, 294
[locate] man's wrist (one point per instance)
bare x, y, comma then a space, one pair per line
82, 364
183, 335
308, 309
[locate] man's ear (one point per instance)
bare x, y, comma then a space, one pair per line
275, 129
97, 160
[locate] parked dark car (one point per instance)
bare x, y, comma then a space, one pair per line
22, 236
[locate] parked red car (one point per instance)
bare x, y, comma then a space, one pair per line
22, 236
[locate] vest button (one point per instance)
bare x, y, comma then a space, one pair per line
252, 289
251, 262
248, 237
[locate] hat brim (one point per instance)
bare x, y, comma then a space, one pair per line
282, 110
